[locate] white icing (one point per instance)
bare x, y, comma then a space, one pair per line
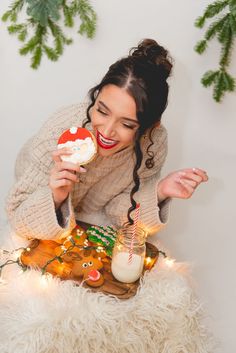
73, 130
83, 150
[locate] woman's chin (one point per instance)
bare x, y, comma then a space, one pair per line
106, 152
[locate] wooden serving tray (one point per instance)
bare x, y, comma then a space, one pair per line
42, 251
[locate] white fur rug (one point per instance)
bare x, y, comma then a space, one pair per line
39, 315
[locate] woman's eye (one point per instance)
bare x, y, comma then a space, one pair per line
128, 126
101, 112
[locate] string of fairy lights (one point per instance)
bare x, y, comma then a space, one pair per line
10, 257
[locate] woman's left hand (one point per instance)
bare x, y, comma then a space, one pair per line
180, 184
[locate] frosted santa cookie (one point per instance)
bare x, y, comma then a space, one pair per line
81, 142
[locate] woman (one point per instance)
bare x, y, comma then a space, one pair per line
124, 114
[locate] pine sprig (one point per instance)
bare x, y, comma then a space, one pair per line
43, 23
68, 15
224, 29
15, 9
88, 17
211, 11
221, 81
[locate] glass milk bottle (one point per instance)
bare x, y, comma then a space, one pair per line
127, 265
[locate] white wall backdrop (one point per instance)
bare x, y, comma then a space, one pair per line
201, 132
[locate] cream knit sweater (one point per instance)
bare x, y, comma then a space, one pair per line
101, 198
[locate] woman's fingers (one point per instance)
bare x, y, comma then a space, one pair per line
190, 179
197, 175
61, 182
63, 165
202, 173
188, 189
65, 174
190, 182
56, 155
59, 166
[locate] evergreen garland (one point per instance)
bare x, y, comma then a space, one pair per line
224, 29
42, 21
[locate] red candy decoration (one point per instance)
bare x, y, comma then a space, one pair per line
94, 275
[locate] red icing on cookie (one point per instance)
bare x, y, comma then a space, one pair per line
94, 275
74, 134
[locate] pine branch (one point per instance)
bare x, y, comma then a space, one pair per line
43, 22
87, 16
37, 56
221, 82
232, 7
211, 11
218, 91
215, 8
201, 46
51, 53
209, 78
59, 38
227, 46
68, 14
224, 33
224, 29
229, 82
12, 14
232, 20
29, 46
216, 27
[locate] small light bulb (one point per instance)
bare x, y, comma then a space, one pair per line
60, 269
148, 260
28, 249
44, 281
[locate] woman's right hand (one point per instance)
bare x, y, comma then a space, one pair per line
63, 176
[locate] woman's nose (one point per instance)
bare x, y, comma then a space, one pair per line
109, 129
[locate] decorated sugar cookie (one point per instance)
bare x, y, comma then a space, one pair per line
104, 236
81, 142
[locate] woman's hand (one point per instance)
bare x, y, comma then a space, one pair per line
63, 176
180, 184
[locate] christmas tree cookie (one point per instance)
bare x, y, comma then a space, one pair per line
104, 236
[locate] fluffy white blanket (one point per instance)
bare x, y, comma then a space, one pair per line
39, 315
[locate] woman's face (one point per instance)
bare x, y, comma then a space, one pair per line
114, 120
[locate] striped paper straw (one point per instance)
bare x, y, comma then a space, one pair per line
136, 217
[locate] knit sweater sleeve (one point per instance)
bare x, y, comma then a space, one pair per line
153, 216
30, 206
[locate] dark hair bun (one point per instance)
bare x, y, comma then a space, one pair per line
155, 53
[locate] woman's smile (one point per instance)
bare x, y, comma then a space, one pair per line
105, 142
